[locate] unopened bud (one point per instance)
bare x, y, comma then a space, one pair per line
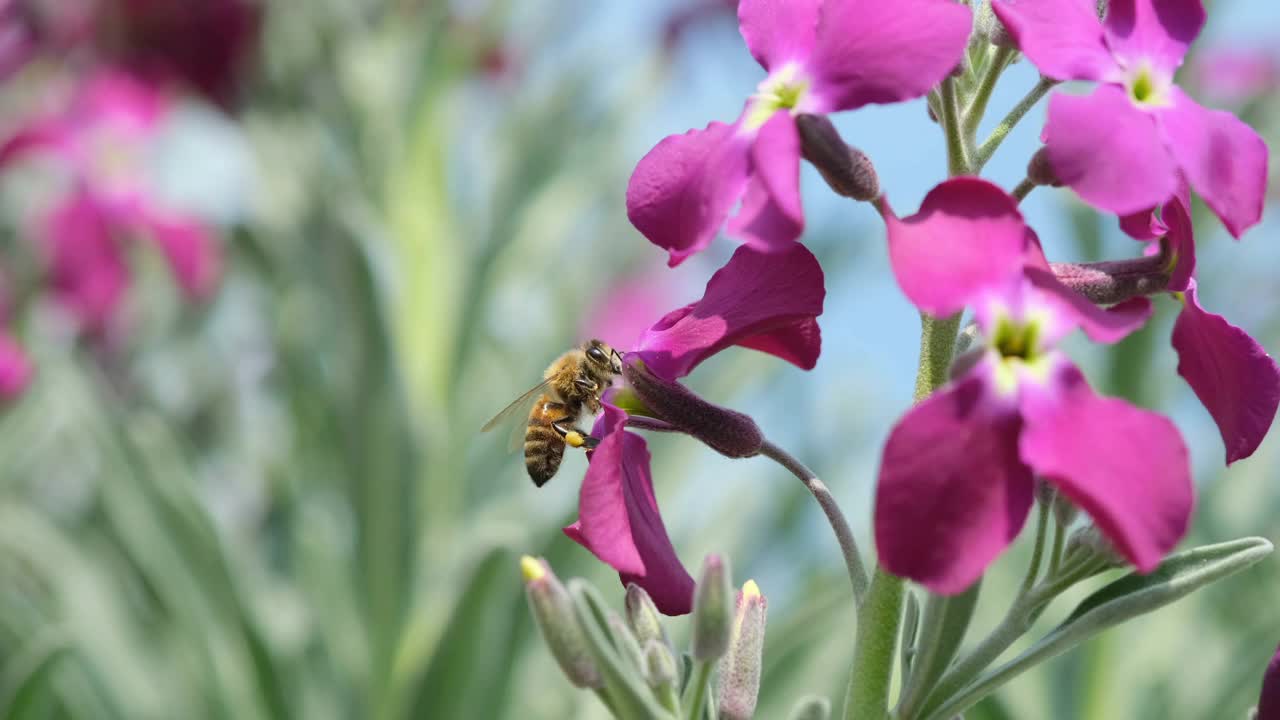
1064, 511
1088, 541
726, 431
811, 708
659, 665
988, 25
643, 617
712, 611
553, 612
846, 169
625, 641
740, 667
1040, 172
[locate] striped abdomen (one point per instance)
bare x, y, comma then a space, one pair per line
543, 445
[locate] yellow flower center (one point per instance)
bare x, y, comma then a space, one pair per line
785, 89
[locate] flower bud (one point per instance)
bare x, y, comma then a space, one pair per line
1040, 172
553, 612
712, 616
660, 669
643, 617
740, 667
625, 641
1088, 541
729, 433
846, 169
811, 708
989, 26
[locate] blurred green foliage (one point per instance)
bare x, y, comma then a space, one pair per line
278, 506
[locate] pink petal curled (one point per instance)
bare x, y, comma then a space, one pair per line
1234, 377
86, 265
16, 370
1071, 310
619, 522
870, 51
778, 31
765, 301
1142, 225
682, 190
1125, 466
1180, 234
771, 217
1109, 151
1225, 160
952, 492
192, 252
968, 235
1064, 39
1154, 31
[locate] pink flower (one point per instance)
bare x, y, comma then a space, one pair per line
956, 480
821, 56
1122, 147
101, 142
16, 370
1269, 700
1236, 76
768, 302
29, 28
1230, 372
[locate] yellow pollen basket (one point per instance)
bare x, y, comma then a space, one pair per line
574, 438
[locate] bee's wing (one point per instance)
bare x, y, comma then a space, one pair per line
517, 415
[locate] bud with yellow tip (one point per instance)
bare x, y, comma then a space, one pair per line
740, 666
553, 611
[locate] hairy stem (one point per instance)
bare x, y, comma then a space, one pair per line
957, 148
1037, 552
986, 84
1023, 189
844, 536
1010, 121
698, 690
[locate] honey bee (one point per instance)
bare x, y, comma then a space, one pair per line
572, 383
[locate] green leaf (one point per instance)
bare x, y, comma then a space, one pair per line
1122, 600
629, 695
24, 685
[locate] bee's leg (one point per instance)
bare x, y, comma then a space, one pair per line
574, 437
587, 384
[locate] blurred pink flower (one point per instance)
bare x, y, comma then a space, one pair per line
624, 311
28, 27
101, 141
205, 44
15, 368
1235, 76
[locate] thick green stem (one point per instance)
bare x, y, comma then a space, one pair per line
881, 613
1010, 121
697, 704
957, 148
1037, 553
878, 620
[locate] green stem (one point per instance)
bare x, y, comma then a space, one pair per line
1023, 189
698, 690
986, 84
879, 617
957, 149
928, 643
844, 536
1055, 554
868, 695
1037, 553
1002, 130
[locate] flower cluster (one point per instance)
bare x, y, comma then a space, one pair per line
959, 470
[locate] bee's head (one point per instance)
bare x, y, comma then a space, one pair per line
604, 356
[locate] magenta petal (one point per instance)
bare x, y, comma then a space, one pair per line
766, 301
778, 31
1107, 325
1155, 31
771, 217
192, 252
1234, 377
870, 51
967, 236
952, 493
16, 370
1125, 466
1063, 38
682, 190
1269, 699
1108, 151
1181, 236
1142, 225
619, 520
1225, 160
87, 268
